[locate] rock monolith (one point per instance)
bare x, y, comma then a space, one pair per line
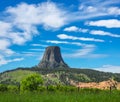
52, 58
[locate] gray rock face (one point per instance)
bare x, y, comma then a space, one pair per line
52, 58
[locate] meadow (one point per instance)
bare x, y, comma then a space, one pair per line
56, 96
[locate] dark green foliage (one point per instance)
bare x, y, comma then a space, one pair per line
31, 83
3, 88
69, 88
51, 88
9, 88
90, 90
41, 89
63, 88
13, 88
79, 77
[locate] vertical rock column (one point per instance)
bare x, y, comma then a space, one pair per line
52, 58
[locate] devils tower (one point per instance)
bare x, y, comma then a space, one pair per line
52, 58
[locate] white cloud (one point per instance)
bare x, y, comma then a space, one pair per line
109, 68
36, 49
77, 43
83, 45
87, 51
65, 42
17, 59
110, 23
83, 30
72, 28
20, 23
4, 44
83, 52
57, 42
7, 32
4, 28
41, 45
4, 47
114, 10
75, 29
48, 14
4, 61
64, 36
6, 52
103, 33
28, 53
91, 9
87, 9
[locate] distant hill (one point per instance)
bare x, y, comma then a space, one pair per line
57, 76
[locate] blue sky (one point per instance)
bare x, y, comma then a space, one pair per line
87, 31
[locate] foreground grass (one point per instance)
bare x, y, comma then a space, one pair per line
86, 96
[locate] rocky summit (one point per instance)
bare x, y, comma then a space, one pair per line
52, 58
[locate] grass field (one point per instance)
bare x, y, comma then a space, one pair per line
82, 96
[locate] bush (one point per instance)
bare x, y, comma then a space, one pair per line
66, 88
13, 88
51, 88
3, 88
91, 90
41, 88
31, 83
71, 88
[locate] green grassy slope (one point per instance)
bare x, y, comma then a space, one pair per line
14, 76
